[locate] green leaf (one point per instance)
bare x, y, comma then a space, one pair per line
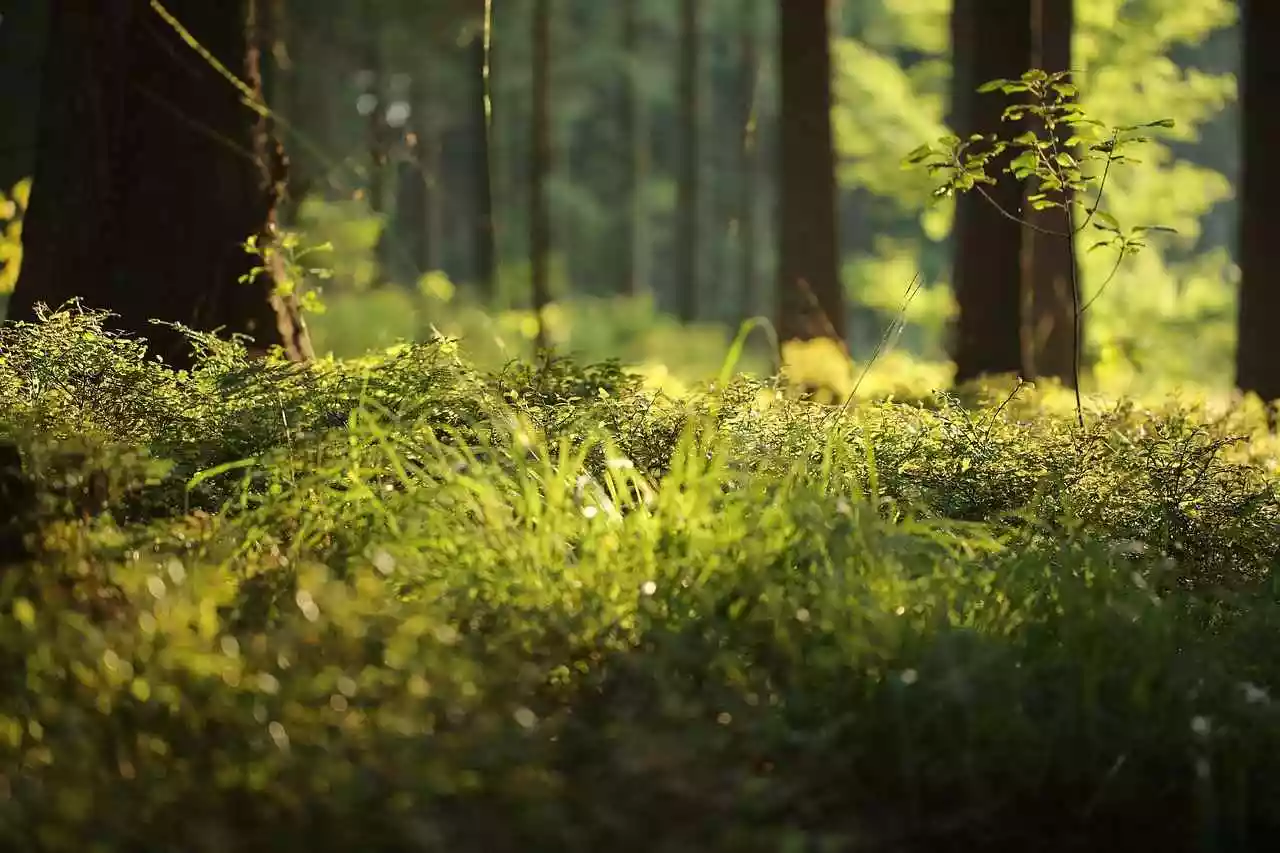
1105, 221
918, 155
1025, 162
24, 612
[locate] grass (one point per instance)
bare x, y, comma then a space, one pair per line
399, 604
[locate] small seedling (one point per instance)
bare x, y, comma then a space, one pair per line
284, 259
1065, 157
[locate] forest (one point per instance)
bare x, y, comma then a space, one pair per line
720, 425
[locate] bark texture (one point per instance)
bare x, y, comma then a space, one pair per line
1257, 357
810, 297
688, 201
540, 164
1050, 325
150, 174
989, 41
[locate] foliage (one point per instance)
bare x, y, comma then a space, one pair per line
396, 603
345, 234
631, 330
12, 207
283, 255
892, 73
1066, 159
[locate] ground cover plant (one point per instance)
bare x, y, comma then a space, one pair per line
396, 603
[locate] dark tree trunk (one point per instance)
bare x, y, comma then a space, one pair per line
377, 135
416, 221
989, 41
748, 162
1257, 356
767, 179
634, 149
687, 203
810, 298
22, 43
540, 164
485, 233
315, 72
1050, 318
459, 205
424, 207
375, 96
150, 174
282, 88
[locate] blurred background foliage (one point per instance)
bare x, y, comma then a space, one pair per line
385, 108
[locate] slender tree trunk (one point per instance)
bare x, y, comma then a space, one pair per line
377, 133
283, 89
725, 100
767, 181
540, 165
688, 201
375, 97
748, 157
486, 259
1049, 321
634, 149
459, 204
316, 73
1257, 356
415, 223
151, 173
810, 297
426, 154
988, 41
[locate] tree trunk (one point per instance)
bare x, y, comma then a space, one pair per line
151, 173
282, 89
540, 165
767, 180
21, 49
634, 148
989, 40
810, 297
317, 72
374, 100
485, 226
426, 165
416, 221
687, 203
1050, 318
748, 165
1257, 358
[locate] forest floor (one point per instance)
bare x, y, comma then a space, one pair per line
398, 604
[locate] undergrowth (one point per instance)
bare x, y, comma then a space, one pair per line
399, 604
